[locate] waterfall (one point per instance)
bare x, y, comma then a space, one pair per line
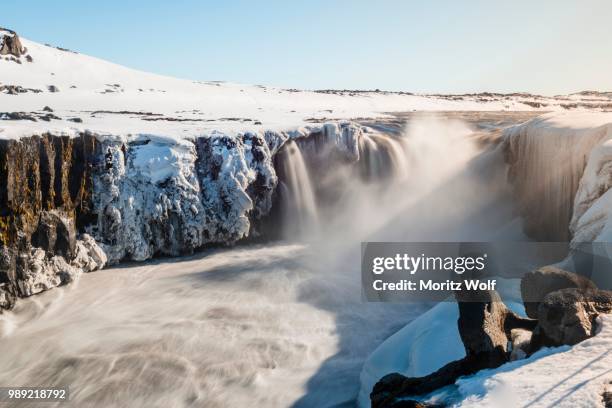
382, 157
298, 204
545, 168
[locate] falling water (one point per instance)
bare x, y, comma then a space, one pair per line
298, 205
382, 157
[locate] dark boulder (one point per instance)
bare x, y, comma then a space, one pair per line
539, 283
568, 316
485, 326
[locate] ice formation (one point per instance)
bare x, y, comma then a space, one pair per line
147, 197
591, 218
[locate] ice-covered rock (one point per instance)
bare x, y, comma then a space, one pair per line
147, 196
237, 179
39, 270
591, 219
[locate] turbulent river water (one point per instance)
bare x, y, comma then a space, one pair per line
274, 325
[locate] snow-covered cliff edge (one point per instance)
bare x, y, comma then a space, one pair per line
75, 204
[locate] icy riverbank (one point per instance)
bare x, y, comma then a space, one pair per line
559, 166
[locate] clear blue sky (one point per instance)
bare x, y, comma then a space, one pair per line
543, 46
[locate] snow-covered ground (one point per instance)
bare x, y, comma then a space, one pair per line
110, 98
554, 377
560, 377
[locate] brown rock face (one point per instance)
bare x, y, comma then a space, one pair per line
539, 283
485, 325
568, 316
45, 195
11, 44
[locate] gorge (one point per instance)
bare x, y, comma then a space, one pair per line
220, 225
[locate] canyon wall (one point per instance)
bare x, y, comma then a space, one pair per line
559, 167
76, 204
46, 185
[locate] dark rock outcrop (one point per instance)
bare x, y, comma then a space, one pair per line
11, 44
55, 234
45, 194
485, 326
537, 284
568, 316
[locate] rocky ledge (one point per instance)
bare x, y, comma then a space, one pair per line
564, 313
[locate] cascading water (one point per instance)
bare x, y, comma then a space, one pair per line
382, 157
276, 325
299, 212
